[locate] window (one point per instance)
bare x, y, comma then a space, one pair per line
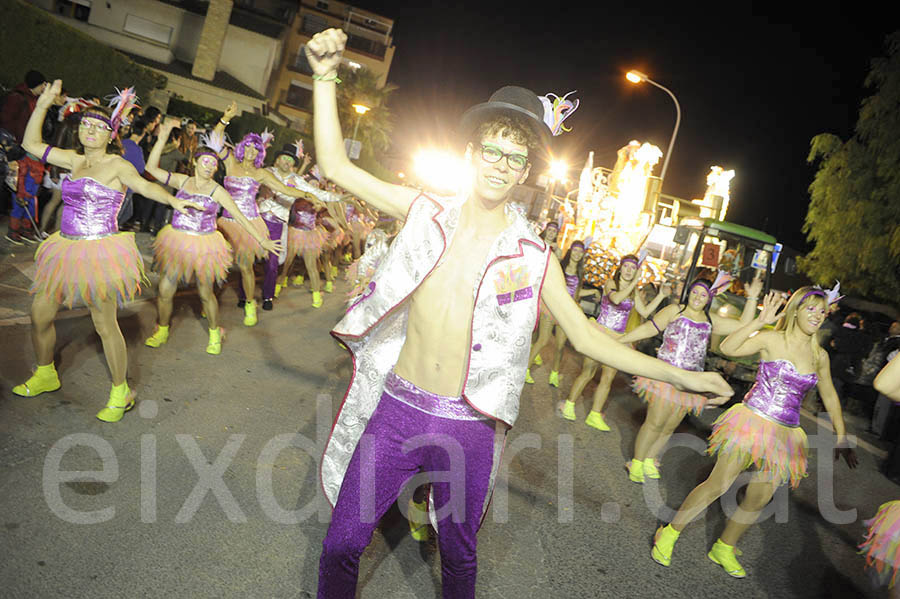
313, 24
299, 97
322, 5
145, 28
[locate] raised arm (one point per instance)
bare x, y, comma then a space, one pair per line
127, 174
590, 341
219, 129
32, 141
646, 310
744, 341
163, 176
324, 53
619, 295
726, 326
227, 202
655, 324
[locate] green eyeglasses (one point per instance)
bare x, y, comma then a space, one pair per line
493, 154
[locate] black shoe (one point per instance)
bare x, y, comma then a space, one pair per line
267, 304
241, 303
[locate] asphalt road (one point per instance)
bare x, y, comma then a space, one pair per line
209, 487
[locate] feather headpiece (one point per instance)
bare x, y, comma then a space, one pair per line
557, 110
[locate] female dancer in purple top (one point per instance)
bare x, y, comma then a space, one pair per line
244, 174
764, 431
686, 331
88, 259
191, 246
573, 269
619, 298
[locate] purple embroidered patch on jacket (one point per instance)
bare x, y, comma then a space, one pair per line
504, 298
521, 294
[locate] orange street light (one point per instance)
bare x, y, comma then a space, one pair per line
639, 77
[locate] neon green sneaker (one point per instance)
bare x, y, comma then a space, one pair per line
528, 378
214, 347
595, 419
297, 281
334, 271
278, 288
121, 399
159, 337
663, 544
568, 410
43, 380
724, 555
553, 379
650, 469
329, 287
538, 360
417, 514
250, 313
317, 300
636, 471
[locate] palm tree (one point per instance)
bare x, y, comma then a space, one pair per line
360, 86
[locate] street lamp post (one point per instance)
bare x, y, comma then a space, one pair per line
639, 77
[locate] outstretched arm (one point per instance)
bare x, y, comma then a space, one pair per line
888, 380
324, 53
32, 141
744, 341
655, 324
646, 310
272, 182
588, 340
127, 174
225, 200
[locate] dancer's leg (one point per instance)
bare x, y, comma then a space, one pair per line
164, 299
210, 304
107, 326
653, 427
560, 345
588, 369
720, 480
248, 279
43, 330
601, 394
545, 330
759, 492
312, 269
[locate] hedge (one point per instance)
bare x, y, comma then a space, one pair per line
33, 39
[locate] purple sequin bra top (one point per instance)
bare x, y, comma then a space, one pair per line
196, 221
572, 285
684, 343
89, 209
615, 317
243, 192
778, 392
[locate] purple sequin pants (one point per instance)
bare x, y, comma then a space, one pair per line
398, 442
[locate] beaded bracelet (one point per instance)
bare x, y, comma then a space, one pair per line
46, 153
333, 77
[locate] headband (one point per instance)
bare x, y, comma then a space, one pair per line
723, 279
829, 295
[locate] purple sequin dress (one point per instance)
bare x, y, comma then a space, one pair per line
191, 246
765, 430
243, 191
88, 260
684, 345
615, 316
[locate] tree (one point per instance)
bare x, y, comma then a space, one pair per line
854, 212
360, 86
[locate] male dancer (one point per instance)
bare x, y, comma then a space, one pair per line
440, 338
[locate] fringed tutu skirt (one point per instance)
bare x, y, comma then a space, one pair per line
775, 449
92, 270
181, 256
334, 239
359, 228
304, 240
245, 248
653, 391
882, 542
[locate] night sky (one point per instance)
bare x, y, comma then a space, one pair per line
755, 85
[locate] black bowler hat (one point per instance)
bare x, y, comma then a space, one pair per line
509, 101
287, 150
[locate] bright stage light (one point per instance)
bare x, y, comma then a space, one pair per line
558, 170
441, 170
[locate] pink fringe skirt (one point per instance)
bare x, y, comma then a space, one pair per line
92, 270
882, 542
245, 247
359, 227
653, 391
181, 256
300, 241
775, 449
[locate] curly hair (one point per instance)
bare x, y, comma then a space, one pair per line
513, 127
256, 141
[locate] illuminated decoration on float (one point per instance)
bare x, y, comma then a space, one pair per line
715, 201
